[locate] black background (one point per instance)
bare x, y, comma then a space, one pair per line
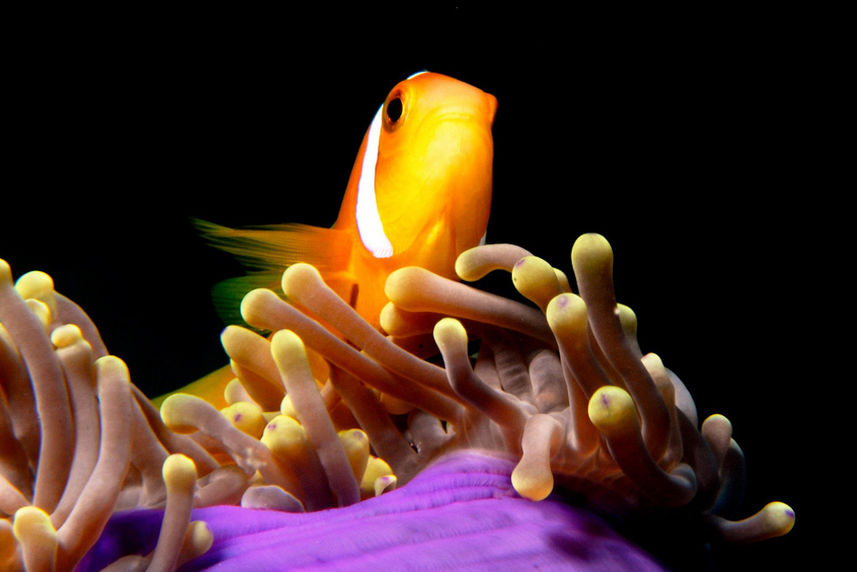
696, 143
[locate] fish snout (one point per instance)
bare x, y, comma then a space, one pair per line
492, 107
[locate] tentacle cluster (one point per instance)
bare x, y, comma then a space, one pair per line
71, 458
560, 384
284, 439
326, 410
80, 441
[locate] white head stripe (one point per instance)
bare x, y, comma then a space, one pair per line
368, 220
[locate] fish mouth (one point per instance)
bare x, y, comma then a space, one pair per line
492, 107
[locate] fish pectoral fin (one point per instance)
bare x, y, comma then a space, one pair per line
266, 251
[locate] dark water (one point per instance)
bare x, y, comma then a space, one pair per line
683, 146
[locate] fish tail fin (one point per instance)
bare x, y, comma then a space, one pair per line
266, 251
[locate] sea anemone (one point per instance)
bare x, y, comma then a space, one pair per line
503, 425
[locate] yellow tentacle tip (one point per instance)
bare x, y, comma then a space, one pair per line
247, 417
466, 267
179, 472
5, 272
197, 540
389, 317
31, 521
590, 252
355, 442
780, 518
562, 280
111, 365
298, 276
289, 354
775, 519
288, 408
535, 279
566, 314
283, 435
385, 484
66, 335
377, 478
40, 310
34, 284
531, 481
177, 412
612, 410
403, 284
286, 341
36, 536
254, 304
449, 333
628, 319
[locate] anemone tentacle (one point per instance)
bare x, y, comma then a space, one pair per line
327, 412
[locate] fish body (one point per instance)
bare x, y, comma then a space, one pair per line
419, 194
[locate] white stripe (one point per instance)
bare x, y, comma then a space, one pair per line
368, 221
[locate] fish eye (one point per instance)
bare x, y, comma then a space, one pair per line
394, 109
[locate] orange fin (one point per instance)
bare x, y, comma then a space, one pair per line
266, 251
274, 247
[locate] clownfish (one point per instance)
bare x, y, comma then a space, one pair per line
419, 194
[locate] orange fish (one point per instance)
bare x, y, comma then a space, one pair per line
419, 194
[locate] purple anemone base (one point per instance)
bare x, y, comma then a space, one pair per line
459, 513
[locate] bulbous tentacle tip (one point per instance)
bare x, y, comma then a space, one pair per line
612, 410
111, 365
531, 482
197, 541
40, 310
450, 335
590, 247
401, 282
271, 497
773, 520
284, 342
536, 280
298, 278
37, 538
177, 412
5, 273
253, 304
246, 416
385, 484
466, 267
474, 263
532, 477
566, 315
179, 473
34, 284
66, 335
